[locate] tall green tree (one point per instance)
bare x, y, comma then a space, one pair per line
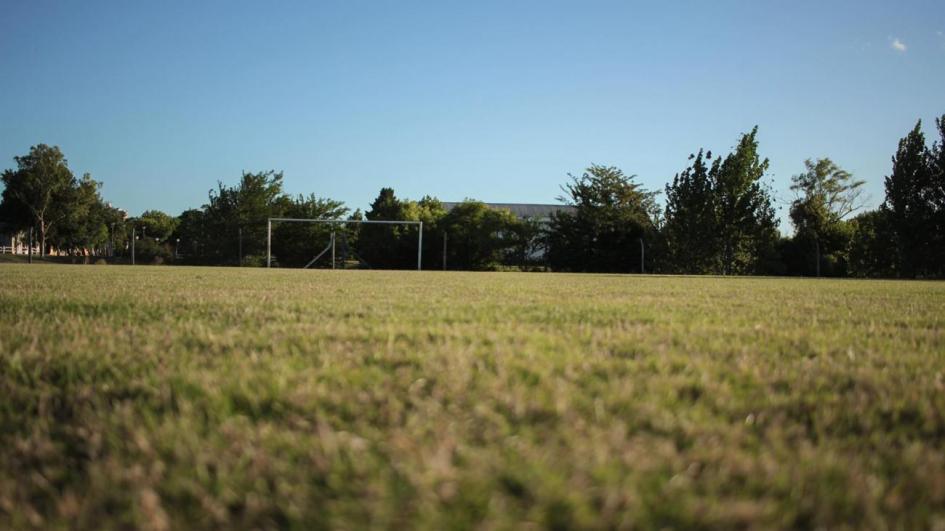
826, 195
87, 224
719, 216
937, 170
691, 231
389, 246
242, 209
746, 218
39, 191
910, 204
612, 214
193, 234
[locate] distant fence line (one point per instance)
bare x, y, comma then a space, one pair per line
18, 249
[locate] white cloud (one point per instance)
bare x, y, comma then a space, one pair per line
898, 45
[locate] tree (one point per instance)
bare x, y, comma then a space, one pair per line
719, 216
937, 170
909, 203
612, 214
39, 190
825, 195
746, 218
156, 224
479, 236
87, 222
872, 249
691, 220
242, 210
192, 233
431, 212
295, 244
389, 246
526, 240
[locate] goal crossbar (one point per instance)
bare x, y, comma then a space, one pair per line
270, 221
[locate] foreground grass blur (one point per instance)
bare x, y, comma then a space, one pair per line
171, 398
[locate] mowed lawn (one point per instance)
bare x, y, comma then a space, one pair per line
176, 398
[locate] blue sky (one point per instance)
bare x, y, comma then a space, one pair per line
491, 100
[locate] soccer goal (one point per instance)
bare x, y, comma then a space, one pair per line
336, 222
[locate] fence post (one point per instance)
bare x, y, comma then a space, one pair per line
420, 247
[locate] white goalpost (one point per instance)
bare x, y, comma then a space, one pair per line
340, 222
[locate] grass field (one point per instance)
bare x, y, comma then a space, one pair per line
170, 398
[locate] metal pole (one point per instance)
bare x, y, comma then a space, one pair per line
642, 253
420, 247
30, 250
445, 236
269, 243
332, 249
132, 246
241, 245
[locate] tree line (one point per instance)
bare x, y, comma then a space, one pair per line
718, 217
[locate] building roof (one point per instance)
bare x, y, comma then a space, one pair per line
523, 210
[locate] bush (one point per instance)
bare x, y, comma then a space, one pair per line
255, 260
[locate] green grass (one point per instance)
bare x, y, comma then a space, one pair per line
171, 398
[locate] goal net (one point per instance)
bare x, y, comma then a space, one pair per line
338, 237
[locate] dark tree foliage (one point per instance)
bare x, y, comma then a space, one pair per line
872, 251
613, 213
296, 244
826, 195
431, 212
691, 219
242, 209
937, 196
91, 226
746, 218
41, 192
191, 235
211, 235
526, 244
389, 246
155, 224
67, 213
719, 216
910, 205
480, 237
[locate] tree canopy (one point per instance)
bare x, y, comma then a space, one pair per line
718, 218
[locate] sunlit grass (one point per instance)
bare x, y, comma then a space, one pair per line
244, 398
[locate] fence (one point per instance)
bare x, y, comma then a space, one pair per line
18, 249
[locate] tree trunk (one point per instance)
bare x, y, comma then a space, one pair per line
42, 238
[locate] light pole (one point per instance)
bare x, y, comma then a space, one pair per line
176, 248
133, 238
